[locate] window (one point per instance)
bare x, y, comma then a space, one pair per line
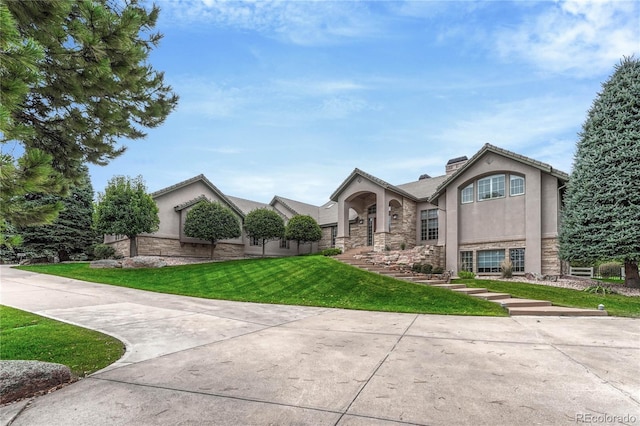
516, 185
491, 187
334, 234
517, 259
372, 209
429, 224
284, 243
466, 195
490, 260
254, 241
466, 261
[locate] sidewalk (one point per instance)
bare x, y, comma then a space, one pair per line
195, 361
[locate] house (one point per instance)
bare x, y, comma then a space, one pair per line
493, 205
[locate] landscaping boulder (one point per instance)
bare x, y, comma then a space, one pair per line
23, 379
106, 263
143, 262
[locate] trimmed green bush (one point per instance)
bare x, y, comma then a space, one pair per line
466, 275
438, 270
331, 252
426, 268
103, 251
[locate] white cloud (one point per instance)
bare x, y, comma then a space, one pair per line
579, 37
297, 22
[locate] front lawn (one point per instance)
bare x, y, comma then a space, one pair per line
300, 280
614, 304
26, 336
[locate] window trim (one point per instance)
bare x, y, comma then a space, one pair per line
491, 191
492, 267
467, 189
465, 262
521, 263
513, 178
429, 226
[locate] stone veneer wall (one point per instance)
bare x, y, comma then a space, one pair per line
433, 255
325, 241
403, 229
551, 263
154, 246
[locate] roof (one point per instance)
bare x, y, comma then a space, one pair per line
191, 181
506, 153
357, 172
297, 207
248, 205
328, 214
423, 189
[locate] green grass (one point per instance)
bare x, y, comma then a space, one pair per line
26, 336
615, 304
300, 280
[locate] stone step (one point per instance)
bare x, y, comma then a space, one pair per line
556, 311
490, 295
449, 286
470, 290
432, 282
521, 303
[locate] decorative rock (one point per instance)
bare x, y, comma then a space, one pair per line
106, 263
143, 262
23, 379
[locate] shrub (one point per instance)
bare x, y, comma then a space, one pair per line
506, 268
599, 289
331, 252
426, 268
466, 275
437, 270
103, 251
610, 270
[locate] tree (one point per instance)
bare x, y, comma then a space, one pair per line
31, 174
72, 232
125, 208
303, 229
264, 225
601, 217
211, 221
96, 86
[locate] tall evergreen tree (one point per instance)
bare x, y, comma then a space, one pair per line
211, 221
264, 225
125, 208
96, 84
601, 217
72, 231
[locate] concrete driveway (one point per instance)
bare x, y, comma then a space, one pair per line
207, 362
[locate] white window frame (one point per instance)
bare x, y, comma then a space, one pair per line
513, 179
466, 194
494, 187
488, 261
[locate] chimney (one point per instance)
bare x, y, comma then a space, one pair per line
455, 163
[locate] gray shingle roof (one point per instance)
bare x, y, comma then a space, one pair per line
248, 205
297, 207
357, 172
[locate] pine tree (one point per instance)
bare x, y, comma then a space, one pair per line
72, 232
125, 208
96, 85
211, 221
601, 216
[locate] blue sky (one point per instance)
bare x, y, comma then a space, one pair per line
287, 98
